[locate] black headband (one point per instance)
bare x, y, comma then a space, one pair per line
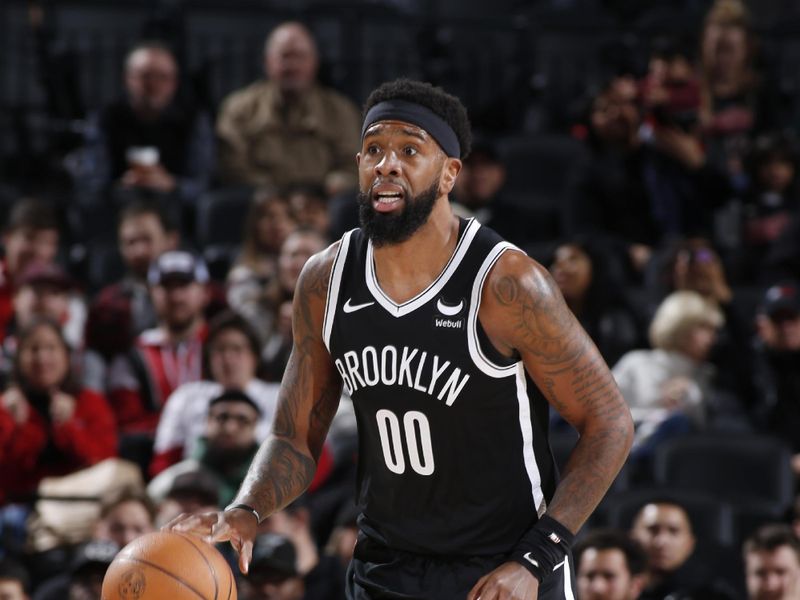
416, 114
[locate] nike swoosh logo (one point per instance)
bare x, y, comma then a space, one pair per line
534, 562
561, 564
449, 311
349, 308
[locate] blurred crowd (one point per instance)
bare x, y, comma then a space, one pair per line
140, 377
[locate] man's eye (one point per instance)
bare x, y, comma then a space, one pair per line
372, 149
410, 151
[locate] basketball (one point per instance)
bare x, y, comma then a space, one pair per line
169, 566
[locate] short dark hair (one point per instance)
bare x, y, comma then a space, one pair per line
445, 105
71, 383
613, 539
229, 319
142, 207
11, 570
771, 537
31, 213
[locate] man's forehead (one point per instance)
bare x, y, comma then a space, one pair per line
394, 127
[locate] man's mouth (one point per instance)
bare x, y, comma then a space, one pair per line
386, 197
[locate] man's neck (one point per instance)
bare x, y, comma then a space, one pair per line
177, 336
406, 269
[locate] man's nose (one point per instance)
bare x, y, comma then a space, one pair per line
388, 165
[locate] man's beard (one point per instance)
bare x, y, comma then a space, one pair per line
387, 228
224, 460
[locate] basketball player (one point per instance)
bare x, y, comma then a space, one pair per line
449, 340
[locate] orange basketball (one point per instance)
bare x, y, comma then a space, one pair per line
169, 566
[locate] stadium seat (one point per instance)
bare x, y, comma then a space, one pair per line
733, 468
711, 520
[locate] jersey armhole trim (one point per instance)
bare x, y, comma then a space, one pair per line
484, 363
334, 283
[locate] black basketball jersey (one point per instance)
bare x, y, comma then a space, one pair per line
453, 452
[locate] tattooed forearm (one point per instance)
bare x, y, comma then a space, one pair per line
574, 378
278, 475
285, 465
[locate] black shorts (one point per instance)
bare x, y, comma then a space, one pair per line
379, 573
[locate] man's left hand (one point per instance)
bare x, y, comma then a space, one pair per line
509, 581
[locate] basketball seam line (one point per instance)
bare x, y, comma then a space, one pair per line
163, 570
208, 564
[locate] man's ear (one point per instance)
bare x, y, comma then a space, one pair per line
450, 171
358, 159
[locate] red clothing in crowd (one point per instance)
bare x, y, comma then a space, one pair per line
141, 382
6, 299
38, 448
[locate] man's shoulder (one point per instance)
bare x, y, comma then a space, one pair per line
315, 277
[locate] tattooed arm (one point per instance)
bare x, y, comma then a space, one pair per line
523, 311
287, 460
309, 396
524, 314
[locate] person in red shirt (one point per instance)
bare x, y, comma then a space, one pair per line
49, 425
164, 357
31, 235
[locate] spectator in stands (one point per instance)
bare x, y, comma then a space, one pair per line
150, 140
668, 388
45, 290
226, 449
772, 564
694, 265
84, 581
674, 569
609, 566
49, 424
479, 193
191, 492
123, 310
273, 573
737, 99
31, 235
776, 369
322, 574
252, 282
309, 208
783, 259
584, 272
769, 203
125, 518
289, 129
295, 252
14, 581
162, 358
232, 352
639, 185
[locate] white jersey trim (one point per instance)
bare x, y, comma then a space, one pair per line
334, 284
526, 428
473, 341
400, 310
568, 593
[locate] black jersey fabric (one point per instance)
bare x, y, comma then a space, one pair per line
453, 452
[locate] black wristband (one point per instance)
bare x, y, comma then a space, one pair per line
246, 507
544, 547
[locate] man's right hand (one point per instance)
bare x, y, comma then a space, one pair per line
237, 526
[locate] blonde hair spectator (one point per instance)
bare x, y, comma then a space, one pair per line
678, 315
